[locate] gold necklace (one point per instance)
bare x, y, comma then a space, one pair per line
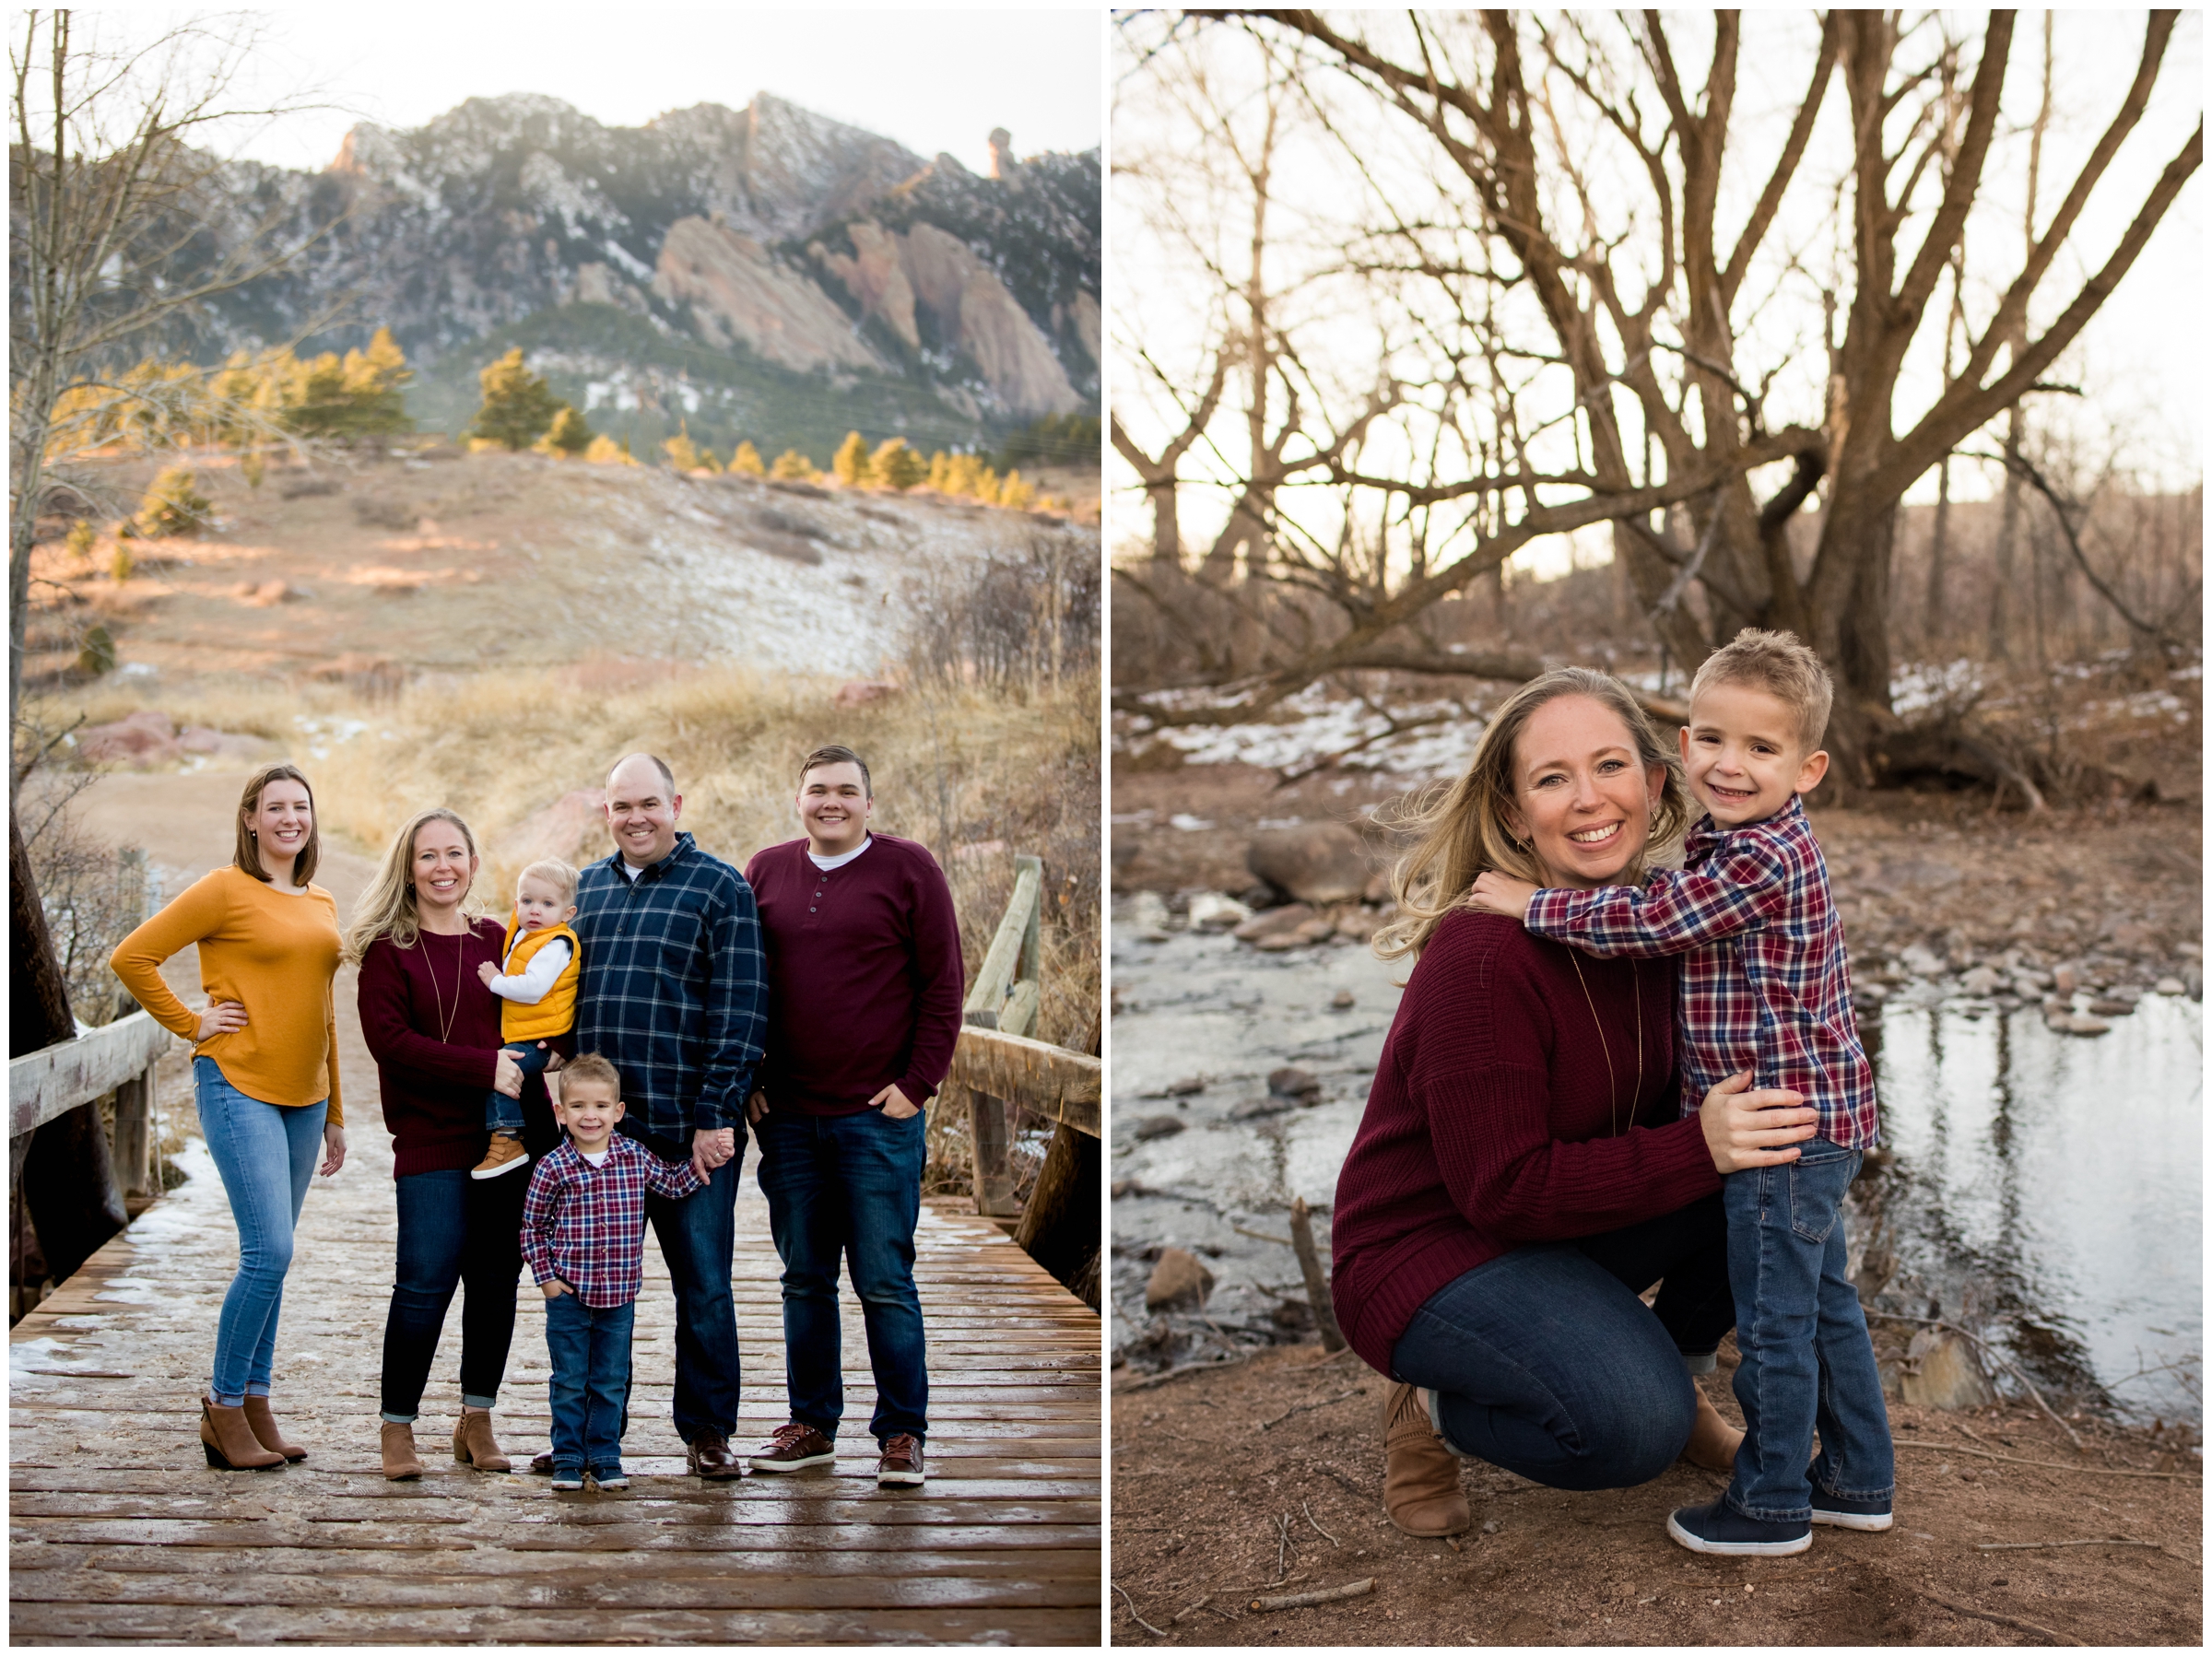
1605, 1046
445, 1026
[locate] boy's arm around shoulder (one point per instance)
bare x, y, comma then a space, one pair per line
1745, 886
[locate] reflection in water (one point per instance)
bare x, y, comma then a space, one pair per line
2048, 1188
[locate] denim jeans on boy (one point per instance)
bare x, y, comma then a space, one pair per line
1806, 1357
1546, 1362
501, 1113
454, 1231
265, 1154
848, 1185
698, 1234
590, 1348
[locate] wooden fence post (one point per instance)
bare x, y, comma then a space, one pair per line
134, 1140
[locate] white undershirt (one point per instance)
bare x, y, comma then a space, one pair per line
827, 863
598, 1157
628, 873
534, 981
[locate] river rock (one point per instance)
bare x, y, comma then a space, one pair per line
1216, 911
2111, 1006
1148, 916
1157, 1126
2065, 979
1941, 1372
1315, 861
1290, 1082
2076, 1023
1179, 1283
1344, 1000
1187, 1087
1982, 980
1277, 942
1253, 1110
2169, 986
1272, 923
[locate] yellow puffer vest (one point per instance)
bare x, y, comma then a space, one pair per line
555, 1014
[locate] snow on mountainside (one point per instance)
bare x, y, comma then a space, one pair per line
704, 265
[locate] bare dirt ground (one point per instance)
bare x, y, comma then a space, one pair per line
1206, 1466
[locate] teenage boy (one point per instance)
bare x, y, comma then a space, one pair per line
864, 986
1765, 988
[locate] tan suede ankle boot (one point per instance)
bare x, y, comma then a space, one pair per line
266, 1430
400, 1460
1420, 1477
230, 1441
1713, 1441
474, 1444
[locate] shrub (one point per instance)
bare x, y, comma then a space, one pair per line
851, 462
605, 451
1015, 494
567, 436
894, 465
745, 462
518, 405
172, 506
686, 456
792, 466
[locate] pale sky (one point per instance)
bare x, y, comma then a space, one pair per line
934, 80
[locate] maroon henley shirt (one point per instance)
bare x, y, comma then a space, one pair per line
865, 977
1496, 1118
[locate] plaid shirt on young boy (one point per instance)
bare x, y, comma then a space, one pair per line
586, 1224
1766, 986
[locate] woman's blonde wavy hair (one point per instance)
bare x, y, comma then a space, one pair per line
1460, 829
387, 908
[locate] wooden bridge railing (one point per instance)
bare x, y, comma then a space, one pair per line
116, 1058
998, 1065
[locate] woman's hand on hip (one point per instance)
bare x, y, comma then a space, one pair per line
508, 1077
1755, 1128
334, 1149
222, 1017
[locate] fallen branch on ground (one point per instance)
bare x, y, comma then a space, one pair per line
2011, 1366
1189, 1610
1261, 1236
1165, 1375
2101, 1471
2030, 1546
1320, 1595
1302, 1407
1317, 1529
1317, 1285
1140, 1620
2003, 1621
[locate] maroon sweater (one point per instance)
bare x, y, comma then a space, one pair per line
864, 978
432, 1090
1492, 1120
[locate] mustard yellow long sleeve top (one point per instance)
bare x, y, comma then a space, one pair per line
274, 954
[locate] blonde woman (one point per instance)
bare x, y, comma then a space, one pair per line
433, 1028
264, 1063
1524, 1172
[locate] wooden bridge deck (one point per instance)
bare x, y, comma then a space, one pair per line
120, 1532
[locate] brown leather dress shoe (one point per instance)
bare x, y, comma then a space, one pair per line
265, 1431
230, 1441
474, 1444
792, 1445
1420, 1477
399, 1443
1713, 1441
710, 1457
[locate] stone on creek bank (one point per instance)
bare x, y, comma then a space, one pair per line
1157, 1126
1940, 1371
1315, 861
1301, 1087
1180, 1282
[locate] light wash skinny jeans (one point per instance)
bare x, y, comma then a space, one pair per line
266, 1155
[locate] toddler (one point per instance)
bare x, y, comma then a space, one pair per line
1765, 988
537, 995
584, 1235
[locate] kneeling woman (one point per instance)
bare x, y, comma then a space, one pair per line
264, 1063
1522, 1174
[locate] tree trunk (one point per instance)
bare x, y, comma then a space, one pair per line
1932, 624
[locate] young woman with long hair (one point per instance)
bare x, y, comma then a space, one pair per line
264, 1065
433, 1028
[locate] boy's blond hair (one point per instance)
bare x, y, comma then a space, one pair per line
1781, 664
590, 1067
555, 872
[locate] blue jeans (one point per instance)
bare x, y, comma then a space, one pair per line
1544, 1361
265, 1154
590, 1349
454, 1231
848, 1185
501, 1113
1807, 1360
698, 1234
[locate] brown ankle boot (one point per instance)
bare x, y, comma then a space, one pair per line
400, 1460
1713, 1441
229, 1440
474, 1444
1420, 1477
267, 1432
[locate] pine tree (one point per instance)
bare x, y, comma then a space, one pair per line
745, 462
684, 456
851, 462
894, 465
605, 451
517, 405
1015, 494
567, 436
172, 506
793, 468
940, 471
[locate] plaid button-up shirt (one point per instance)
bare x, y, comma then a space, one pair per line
674, 987
586, 1224
1766, 985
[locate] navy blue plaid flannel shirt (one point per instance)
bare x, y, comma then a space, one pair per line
675, 990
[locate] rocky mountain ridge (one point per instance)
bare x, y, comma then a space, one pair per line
787, 264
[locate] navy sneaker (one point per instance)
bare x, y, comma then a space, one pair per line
568, 1478
1720, 1529
1851, 1511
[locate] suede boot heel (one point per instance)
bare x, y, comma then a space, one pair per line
474, 1444
400, 1459
230, 1441
267, 1432
1421, 1491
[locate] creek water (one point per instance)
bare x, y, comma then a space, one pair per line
2044, 1190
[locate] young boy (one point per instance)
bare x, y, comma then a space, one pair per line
538, 997
583, 1233
1765, 988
